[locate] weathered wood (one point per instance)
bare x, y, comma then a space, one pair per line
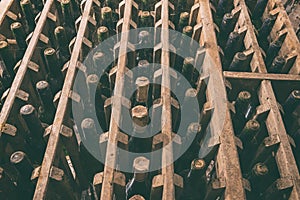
50, 153
111, 150
227, 157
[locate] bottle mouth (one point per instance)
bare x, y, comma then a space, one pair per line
296, 94
49, 51
15, 25
27, 109
228, 16
261, 169
102, 29
42, 85
280, 59
241, 56
198, 164
253, 124
17, 157
3, 44
244, 95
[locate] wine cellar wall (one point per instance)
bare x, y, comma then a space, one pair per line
244, 75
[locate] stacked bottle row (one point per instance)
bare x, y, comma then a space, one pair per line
13, 42
236, 53
83, 145
24, 140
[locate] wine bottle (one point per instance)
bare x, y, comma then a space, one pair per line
272, 52
277, 65
259, 9
62, 44
239, 62
24, 167
36, 131
142, 83
68, 17
8, 61
194, 181
19, 34
54, 77
47, 109
138, 142
144, 42
292, 102
139, 184
27, 10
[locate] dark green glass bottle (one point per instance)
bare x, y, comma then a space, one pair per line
47, 108
139, 184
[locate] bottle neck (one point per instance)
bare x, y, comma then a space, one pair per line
140, 177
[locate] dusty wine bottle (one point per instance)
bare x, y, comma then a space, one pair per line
272, 52
107, 18
46, 110
292, 102
7, 63
233, 45
144, 69
242, 109
193, 137
266, 28
277, 65
259, 179
188, 70
54, 77
223, 7
183, 20
249, 131
36, 131
69, 21
227, 26
194, 181
142, 84
24, 167
27, 10
239, 62
259, 9
139, 184
19, 33
102, 34
62, 44
138, 141
89, 148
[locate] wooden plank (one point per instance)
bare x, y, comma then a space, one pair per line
227, 157
261, 76
166, 117
5, 6
42, 183
107, 185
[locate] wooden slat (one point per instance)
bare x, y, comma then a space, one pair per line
166, 117
5, 6
42, 183
107, 185
261, 76
227, 157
